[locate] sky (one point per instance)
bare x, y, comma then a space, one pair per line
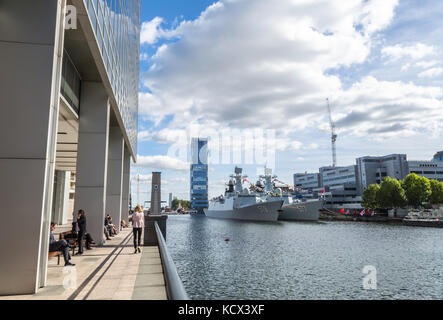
254, 75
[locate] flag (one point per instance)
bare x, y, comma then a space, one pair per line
342, 211
362, 213
348, 212
373, 213
323, 192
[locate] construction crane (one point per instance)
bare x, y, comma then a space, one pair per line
333, 136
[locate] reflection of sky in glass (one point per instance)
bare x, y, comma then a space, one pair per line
117, 26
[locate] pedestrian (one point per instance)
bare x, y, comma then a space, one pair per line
81, 223
138, 223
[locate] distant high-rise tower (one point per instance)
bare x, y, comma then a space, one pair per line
199, 174
156, 201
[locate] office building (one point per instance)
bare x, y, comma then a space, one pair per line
199, 174
341, 187
307, 181
373, 170
69, 104
430, 169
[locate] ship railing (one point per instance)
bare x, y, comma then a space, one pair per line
174, 286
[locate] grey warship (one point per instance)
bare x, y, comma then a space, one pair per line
240, 203
292, 210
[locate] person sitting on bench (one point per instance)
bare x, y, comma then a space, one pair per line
60, 245
73, 235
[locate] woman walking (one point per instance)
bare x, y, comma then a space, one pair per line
138, 223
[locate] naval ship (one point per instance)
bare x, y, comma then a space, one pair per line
240, 203
292, 210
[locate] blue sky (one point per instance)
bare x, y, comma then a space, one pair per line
248, 64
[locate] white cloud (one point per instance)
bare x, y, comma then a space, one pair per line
431, 73
150, 31
252, 64
144, 56
416, 51
162, 163
426, 64
384, 108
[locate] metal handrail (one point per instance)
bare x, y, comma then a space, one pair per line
174, 286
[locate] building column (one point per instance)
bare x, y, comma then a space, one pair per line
92, 157
30, 64
115, 176
126, 182
62, 197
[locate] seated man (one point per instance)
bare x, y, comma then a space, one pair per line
108, 225
60, 245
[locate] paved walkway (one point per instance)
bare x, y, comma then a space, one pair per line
111, 272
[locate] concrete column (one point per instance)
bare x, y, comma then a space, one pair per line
115, 176
62, 197
31, 42
126, 182
156, 201
92, 157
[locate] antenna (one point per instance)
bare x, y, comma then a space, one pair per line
333, 136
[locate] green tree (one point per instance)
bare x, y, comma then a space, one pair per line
391, 194
417, 189
369, 197
177, 203
436, 192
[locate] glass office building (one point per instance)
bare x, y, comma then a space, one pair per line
74, 91
199, 174
116, 24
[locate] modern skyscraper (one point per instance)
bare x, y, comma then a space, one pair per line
69, 103
199, 174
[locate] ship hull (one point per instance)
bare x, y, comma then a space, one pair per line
266, 211
305, 211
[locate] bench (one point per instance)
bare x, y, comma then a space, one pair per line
71, 241
55, 254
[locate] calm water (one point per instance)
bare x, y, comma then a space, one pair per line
291, 260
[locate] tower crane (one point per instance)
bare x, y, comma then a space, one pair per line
333, 136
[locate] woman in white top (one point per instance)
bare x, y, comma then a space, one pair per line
138, 223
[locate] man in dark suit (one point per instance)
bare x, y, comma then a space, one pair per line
81, 224
60, 245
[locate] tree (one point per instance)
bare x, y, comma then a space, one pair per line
369, 197
177, 203
436, 192
391, 194
417, 189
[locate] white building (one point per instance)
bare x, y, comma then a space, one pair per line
68, 103
429, 169
373, 170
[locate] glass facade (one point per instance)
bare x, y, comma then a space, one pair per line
199, 174
70, 83
116, 24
